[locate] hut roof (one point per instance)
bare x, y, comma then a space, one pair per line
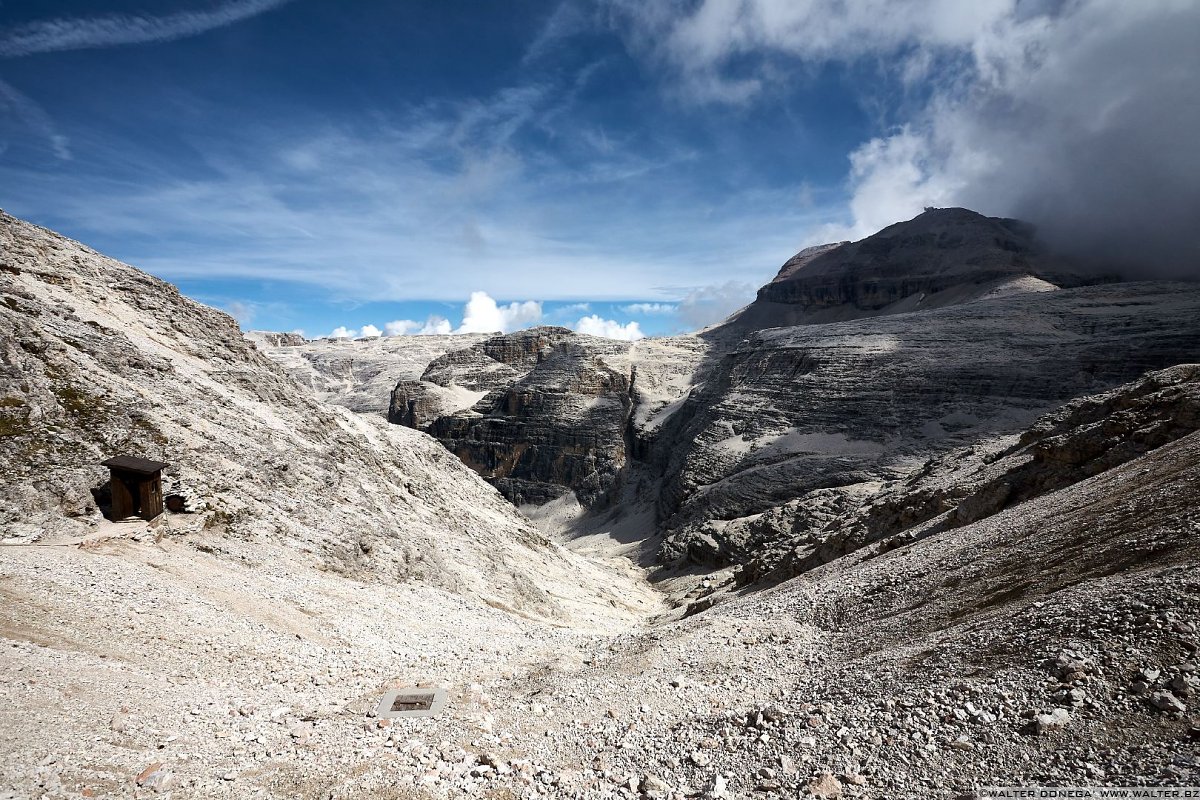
142, 466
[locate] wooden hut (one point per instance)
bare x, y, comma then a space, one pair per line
136, 487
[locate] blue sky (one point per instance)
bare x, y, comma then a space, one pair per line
316, 165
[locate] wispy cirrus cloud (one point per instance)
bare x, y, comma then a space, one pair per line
20, 109
80, 33
85, 33
434, 203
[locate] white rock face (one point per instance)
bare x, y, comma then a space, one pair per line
789, 411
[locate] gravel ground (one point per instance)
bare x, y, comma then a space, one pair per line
1054, 642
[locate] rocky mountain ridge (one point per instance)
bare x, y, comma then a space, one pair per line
875, 381
794, 410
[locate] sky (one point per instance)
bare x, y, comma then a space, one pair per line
624, 168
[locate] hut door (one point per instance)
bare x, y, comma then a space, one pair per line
150, 495
125, 500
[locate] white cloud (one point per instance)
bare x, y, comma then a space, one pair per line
49, 35
891, 178
366, 332
594, 325
721, 50
649, 308
434, 325
481, 314
401, 327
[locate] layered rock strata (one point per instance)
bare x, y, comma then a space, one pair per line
791, 411
549, 413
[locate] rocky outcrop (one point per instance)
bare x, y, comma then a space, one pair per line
943, 257
270, 339
546, 411
552, 417
358, 374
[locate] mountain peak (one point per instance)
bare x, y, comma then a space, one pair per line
940, 257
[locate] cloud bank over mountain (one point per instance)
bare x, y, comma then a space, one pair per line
655, 160
1079, 116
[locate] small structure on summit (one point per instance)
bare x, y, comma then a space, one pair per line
136, 487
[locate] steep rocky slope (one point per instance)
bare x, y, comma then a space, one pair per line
1054, 642
1083, 438
99, 359
942, 257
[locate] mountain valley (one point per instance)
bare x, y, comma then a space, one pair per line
922, 518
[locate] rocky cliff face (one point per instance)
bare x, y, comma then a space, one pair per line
552, 417
793, 411
1084, 438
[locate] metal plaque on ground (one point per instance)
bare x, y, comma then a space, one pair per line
411, 702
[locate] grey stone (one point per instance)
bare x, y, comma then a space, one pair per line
1056, 720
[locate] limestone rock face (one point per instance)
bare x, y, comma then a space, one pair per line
277, 339
942, 257
552, 418
1084, 438
790, 411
